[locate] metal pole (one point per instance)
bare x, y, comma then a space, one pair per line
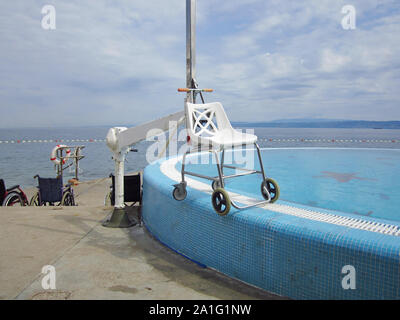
76, 165
119, 181
119, 218
191, 48
58, 165
61, 161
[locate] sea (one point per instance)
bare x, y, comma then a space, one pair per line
25, 152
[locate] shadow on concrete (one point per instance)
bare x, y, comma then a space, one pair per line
136, 243
178, 268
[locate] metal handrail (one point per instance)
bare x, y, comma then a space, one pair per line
76, 156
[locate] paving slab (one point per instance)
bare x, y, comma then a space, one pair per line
31, 237
94, 262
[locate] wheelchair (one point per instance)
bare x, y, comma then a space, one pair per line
12, 196
132, 191
52, 191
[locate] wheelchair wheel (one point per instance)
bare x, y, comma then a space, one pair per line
67, 199
179, 194
221, 202
272, 187
34, 200
13, 199
215, 185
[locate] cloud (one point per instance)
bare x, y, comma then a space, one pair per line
339, 74
120, 62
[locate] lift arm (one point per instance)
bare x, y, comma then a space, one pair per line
119, 140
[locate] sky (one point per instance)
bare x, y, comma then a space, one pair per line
120, 62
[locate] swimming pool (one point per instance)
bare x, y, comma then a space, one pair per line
363, 182
338, 208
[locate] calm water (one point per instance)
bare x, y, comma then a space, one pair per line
20, 162
364, 182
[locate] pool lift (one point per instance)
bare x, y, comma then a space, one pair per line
119, 140
206, 124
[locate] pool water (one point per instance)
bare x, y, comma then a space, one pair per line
363, 182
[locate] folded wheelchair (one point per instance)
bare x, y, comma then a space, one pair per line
132, 190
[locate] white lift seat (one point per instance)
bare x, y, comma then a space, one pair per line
208, 124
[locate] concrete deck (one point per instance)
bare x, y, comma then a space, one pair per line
93, 262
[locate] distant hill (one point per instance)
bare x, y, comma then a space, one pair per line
321, 123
